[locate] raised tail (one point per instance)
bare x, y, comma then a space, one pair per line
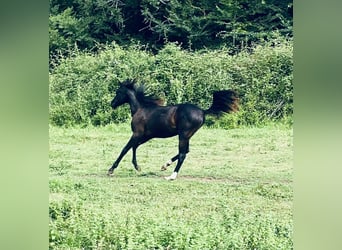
224, 101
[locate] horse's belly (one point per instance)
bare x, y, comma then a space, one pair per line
164, 133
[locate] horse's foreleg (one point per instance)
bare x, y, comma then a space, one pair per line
134, 158
137, 142
124, 151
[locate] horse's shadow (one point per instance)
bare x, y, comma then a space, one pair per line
150, 174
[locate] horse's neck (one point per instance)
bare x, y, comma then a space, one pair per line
133, 102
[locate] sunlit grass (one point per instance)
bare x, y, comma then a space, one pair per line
234, 191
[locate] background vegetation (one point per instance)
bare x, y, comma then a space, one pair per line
82, 85
194, 24
181, 50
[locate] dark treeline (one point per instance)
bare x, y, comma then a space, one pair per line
194, 24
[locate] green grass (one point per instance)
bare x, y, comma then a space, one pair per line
234, 191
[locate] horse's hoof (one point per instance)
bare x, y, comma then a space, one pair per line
172, 177
110, 173
164, 167
169, 178
138, 168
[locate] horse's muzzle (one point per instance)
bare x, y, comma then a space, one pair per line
114, 105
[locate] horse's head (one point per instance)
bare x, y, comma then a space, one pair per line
122, 94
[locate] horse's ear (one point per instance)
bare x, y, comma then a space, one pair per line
128, 83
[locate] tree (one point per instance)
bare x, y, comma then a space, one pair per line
195, 24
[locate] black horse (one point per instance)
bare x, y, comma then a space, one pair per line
152, 120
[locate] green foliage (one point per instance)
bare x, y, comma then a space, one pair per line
65, 30
235, 230
234, 191
83, 84
193, 24
198, 24
83, 23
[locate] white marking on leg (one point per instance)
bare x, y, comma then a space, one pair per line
164, 167
172, 177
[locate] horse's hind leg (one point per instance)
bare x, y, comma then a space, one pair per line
183, 150
173, 159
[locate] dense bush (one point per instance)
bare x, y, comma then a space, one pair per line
82, 85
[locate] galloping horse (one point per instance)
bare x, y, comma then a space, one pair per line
152, 120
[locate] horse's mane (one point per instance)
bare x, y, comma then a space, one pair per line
147, 100
142, 97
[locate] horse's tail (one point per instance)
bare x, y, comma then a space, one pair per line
224, 101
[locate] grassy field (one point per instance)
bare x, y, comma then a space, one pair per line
234, 191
